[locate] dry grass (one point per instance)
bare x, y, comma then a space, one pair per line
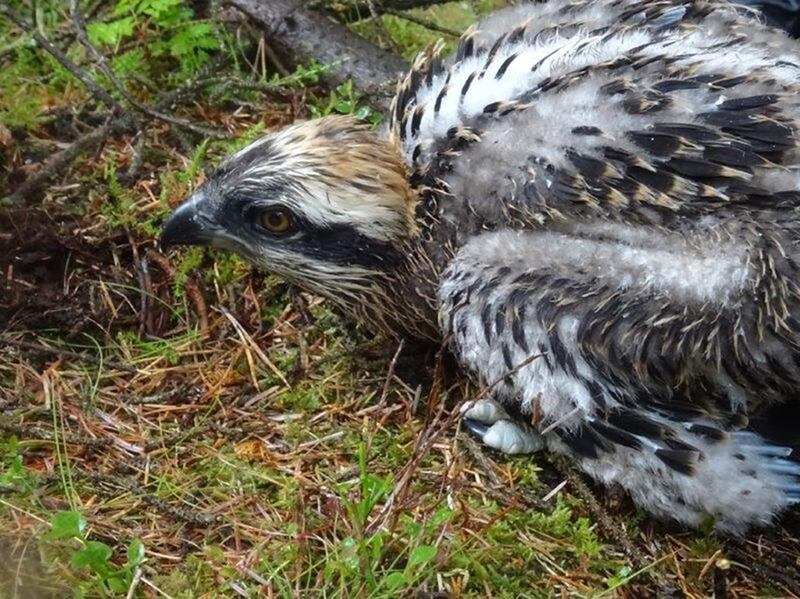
257, 444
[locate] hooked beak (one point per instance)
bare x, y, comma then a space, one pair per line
187, 225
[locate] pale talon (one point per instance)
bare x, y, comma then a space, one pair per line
510, 437
485, 410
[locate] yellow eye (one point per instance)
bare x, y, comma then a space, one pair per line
276, 221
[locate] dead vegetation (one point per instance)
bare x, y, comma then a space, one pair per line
177, 426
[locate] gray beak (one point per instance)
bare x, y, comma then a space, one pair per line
187, 225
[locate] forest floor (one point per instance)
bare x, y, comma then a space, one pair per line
180, 426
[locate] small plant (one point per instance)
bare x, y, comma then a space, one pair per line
132, 345
14, 476
621, 578
344, 99
93, 557
370, 563
174, 32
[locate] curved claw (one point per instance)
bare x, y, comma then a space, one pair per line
476, 428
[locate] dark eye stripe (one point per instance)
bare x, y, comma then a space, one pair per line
343, 244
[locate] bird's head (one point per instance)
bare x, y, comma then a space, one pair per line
324, 203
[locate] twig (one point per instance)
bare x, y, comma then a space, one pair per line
475, 450
178, 122
167, 98
426, 23
227, 83
136, 159
356, 11
118, 122
390, 373
599, 514
137, 577
274, 59
145, 287
92, 10
33, 432
721, 568
765, 568
155, 588
102, 64
376, 18
298, 33
558, 422
65, 353
192, 290
181, 514
248, 341
54, 165
92, 85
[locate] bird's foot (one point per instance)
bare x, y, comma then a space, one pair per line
491, 424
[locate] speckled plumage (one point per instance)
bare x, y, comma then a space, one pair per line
606, 203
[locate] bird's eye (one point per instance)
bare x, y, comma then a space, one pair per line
276, 221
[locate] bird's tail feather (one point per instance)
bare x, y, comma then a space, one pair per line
741, 479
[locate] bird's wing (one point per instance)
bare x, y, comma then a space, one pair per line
637, 359
642, 111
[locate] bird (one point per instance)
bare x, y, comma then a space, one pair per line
595, 206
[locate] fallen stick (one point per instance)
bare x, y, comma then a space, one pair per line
299, 35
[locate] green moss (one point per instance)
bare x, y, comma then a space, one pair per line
410, 37
134, 348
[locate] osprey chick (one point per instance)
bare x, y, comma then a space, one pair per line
595, 204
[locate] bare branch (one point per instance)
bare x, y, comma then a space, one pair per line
56, 163
102, 63
427, 23
356, 11
94, 88
119, 121
298, 33
376, 18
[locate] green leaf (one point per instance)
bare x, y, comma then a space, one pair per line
129, 62
349, 549
344, 107
125, 6
422, 555
442, 516
66, 525
135, 553
94, 555
191, 38
395, 581
10, 447
376, 546
15, 471
118, 583
111, 33
619, 578
363, 113
166, 13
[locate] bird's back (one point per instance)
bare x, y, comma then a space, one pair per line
648, 113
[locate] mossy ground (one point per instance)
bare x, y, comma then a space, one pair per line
245, 437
